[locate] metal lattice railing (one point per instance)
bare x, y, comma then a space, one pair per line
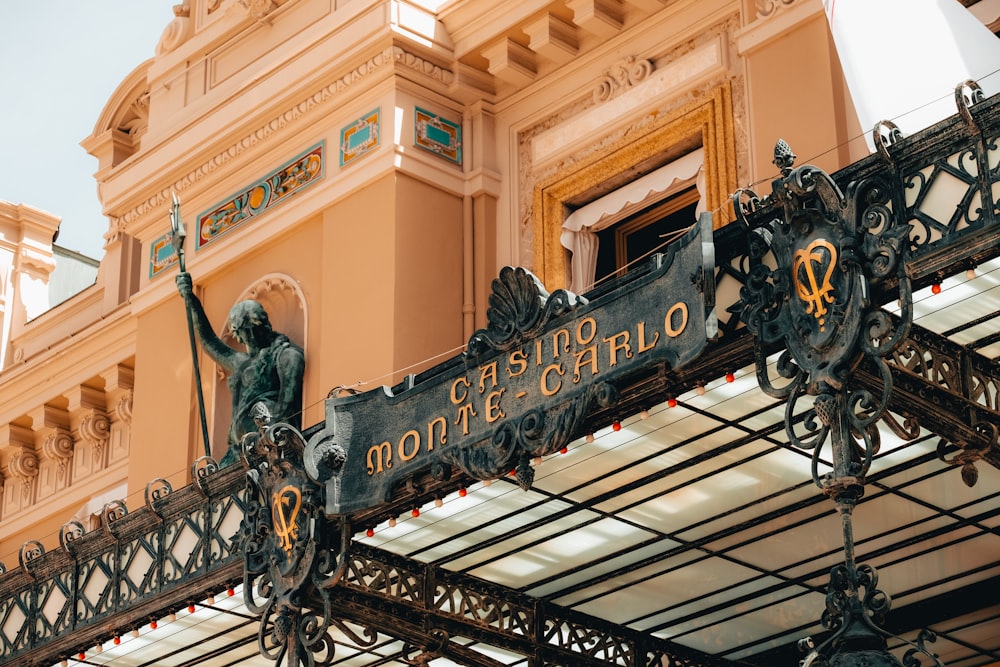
176, 548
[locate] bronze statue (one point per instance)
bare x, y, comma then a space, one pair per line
268, 372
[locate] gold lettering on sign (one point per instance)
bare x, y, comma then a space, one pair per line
463, 417
489, 371
285, 506
678, 311
643, 346
402, 445
563, 359
443, 437
378, 451
517, 359
455, 398
614, 346
557, 346
586, 338
585, 357
547, 389
493, 409
804, 266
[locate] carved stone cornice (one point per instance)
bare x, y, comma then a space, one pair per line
388, 57
36, 260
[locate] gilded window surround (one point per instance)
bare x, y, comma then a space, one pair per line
707, 121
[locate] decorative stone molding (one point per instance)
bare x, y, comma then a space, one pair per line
123, 408
177, 31
275, 282
58, 446
33, 259
259, 9
135, 121
390, 56
768, 8
94, 428
24, 465
622, 75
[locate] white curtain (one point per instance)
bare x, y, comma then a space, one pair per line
579, 231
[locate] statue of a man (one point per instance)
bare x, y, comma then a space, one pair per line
268, 372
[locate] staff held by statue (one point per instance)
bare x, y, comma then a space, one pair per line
177, 235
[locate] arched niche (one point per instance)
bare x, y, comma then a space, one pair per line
283, 299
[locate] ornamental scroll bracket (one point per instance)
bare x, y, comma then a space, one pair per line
829, 251
293, 554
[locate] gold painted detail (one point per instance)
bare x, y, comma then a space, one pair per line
285, 507
706, 122
820, 256
527, 376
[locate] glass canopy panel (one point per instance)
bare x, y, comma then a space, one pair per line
524, 550
755, 628
700, 577
577, 578
467, 523
665, 487
523, 563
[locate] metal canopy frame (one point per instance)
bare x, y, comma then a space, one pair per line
145, 564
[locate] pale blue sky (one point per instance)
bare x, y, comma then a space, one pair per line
60, 61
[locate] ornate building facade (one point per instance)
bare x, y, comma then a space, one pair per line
364, 169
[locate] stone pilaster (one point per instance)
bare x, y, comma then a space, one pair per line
18, 449
54, 441
119, 380
90, 426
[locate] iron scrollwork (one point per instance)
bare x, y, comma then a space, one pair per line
293, 554
830, 252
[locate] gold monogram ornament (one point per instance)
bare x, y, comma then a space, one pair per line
285, 507
804, 269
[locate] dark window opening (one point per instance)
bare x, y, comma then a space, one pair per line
643, 233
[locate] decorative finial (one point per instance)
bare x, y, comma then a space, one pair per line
784, 158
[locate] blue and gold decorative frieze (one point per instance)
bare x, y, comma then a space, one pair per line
359, 137
161, 255
301, 172
437, 134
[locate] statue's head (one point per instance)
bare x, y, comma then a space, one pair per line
249, 323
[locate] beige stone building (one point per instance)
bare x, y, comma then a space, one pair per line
364, 169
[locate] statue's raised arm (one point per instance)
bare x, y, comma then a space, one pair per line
269, 371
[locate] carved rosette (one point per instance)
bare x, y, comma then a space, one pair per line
622, 75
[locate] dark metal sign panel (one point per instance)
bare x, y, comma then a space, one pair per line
525, 382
